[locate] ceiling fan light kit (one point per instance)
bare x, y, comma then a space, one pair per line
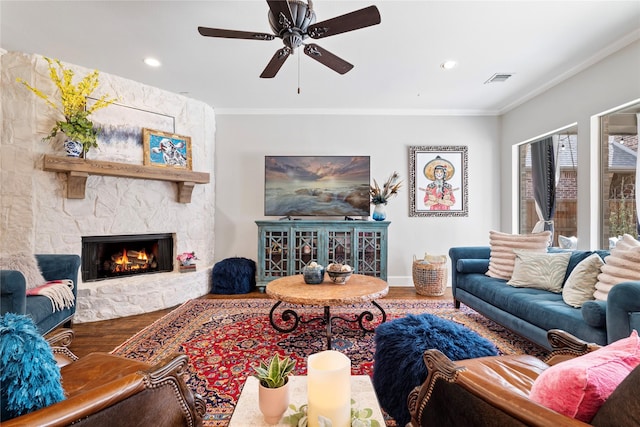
293, 21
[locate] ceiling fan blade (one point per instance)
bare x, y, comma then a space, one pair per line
341, 24
281, 11
327, 58
233, 34
276, 62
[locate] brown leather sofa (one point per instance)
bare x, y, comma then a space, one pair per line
493, 391
106, 390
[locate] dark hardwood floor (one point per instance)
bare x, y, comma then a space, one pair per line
106, 335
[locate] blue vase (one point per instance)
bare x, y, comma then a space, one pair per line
73, 148
379, 212
313, 276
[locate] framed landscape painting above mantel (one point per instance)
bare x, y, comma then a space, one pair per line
438, 181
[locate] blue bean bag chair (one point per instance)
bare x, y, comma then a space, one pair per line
398, 365
233, 276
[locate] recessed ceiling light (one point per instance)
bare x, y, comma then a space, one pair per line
152, 62
448, 65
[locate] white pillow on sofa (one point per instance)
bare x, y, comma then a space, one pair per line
567, 242
621, 265
581, 283
539, 270
502, 258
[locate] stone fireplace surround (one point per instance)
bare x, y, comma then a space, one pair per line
36, 216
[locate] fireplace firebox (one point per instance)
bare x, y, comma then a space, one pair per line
107, 257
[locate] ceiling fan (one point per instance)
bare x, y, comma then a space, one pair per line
293, 21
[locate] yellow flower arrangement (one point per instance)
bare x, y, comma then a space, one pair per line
73, 103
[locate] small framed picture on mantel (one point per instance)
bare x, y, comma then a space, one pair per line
166, 149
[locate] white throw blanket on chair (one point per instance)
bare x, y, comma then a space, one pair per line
60, 292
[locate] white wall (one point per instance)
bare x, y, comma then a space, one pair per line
609, 83
242, 141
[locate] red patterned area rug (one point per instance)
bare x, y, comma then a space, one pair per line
225, 338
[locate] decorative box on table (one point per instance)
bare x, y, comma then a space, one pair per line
187, 268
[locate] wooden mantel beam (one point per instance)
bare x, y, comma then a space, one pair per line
78, 170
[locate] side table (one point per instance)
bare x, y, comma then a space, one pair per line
247, 412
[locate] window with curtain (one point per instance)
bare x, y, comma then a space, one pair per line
562, 150
619, 159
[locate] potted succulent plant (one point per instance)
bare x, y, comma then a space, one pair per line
273, 392
79, 130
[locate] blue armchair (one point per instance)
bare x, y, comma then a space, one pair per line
13, 298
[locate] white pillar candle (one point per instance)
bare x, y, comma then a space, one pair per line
329, 388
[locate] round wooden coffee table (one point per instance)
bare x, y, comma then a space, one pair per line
358, 289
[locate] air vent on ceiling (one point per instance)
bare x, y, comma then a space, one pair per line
498, 78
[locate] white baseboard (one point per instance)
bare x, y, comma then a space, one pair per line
407, 281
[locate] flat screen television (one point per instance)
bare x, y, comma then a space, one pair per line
316, 185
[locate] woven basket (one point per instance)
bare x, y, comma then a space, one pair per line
430, 275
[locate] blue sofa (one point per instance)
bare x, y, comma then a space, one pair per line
13, 298
532, 312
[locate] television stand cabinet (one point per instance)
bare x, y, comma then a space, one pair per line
286, 246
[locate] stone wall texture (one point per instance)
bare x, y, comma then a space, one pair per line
35, 217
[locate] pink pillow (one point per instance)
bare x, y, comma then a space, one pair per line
578, 387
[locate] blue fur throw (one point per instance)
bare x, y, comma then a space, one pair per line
398, 365
233, 276
29, 376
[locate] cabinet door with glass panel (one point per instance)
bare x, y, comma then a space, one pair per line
371, 254
286, 247
273, 252
306, 247
340, 244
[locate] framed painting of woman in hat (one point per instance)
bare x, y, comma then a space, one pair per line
438, 181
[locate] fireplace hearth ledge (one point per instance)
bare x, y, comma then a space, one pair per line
131, 295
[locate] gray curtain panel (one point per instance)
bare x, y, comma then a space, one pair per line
637, 181
543, 171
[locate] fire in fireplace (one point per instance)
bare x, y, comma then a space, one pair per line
130, 261
105, 257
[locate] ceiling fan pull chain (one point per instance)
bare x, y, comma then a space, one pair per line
299, 74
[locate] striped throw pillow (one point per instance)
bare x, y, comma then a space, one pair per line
621, 265
502, 258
